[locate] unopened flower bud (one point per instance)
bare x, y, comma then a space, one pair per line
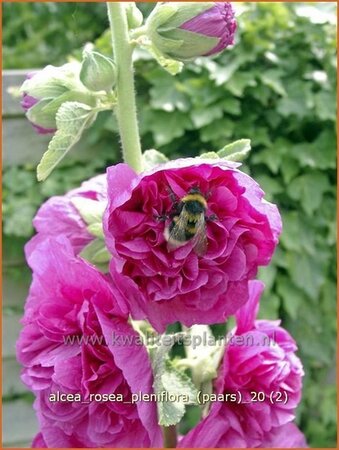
27, 103
46, 90
186, 30
134, 15
98, 73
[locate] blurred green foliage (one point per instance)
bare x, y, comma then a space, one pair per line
277, 87
29, 43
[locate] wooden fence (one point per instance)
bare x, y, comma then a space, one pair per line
20, 146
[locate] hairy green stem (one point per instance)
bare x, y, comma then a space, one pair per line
126, 108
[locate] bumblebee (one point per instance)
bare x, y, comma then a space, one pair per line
188, 222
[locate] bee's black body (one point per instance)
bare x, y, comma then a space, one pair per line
188, 221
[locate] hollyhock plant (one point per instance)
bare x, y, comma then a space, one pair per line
186, 30
151, 243
59, 215
261, 368
178, 284
69, 299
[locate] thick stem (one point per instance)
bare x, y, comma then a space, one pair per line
170, 436
126, 108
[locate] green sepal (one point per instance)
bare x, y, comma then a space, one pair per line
153, 158
192, 45
37, 115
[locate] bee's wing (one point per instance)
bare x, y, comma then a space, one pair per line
200, 240
177, 236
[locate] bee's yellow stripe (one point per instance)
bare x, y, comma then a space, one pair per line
191, 229
194, 197
192, 217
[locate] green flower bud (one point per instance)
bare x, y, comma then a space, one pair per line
51, 81
46, 90
134, 15
98, 73
186, 30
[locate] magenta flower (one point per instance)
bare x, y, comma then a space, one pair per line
166, 285
76, 340
218, 22
58, 215
187, 30
28, 102
260, 361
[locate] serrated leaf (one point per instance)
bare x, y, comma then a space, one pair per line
153, 158
170, 380
236, 151
71, 120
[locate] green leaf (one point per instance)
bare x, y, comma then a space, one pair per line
325, 107
267, 275
308, 273
239, 82
71, 119
153, 158
221, 74
209, 155
270, 186
204, 116
297, 235
170, 380
310, 189
272, 79
236, 151
166, 126
291, 296
167, 95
